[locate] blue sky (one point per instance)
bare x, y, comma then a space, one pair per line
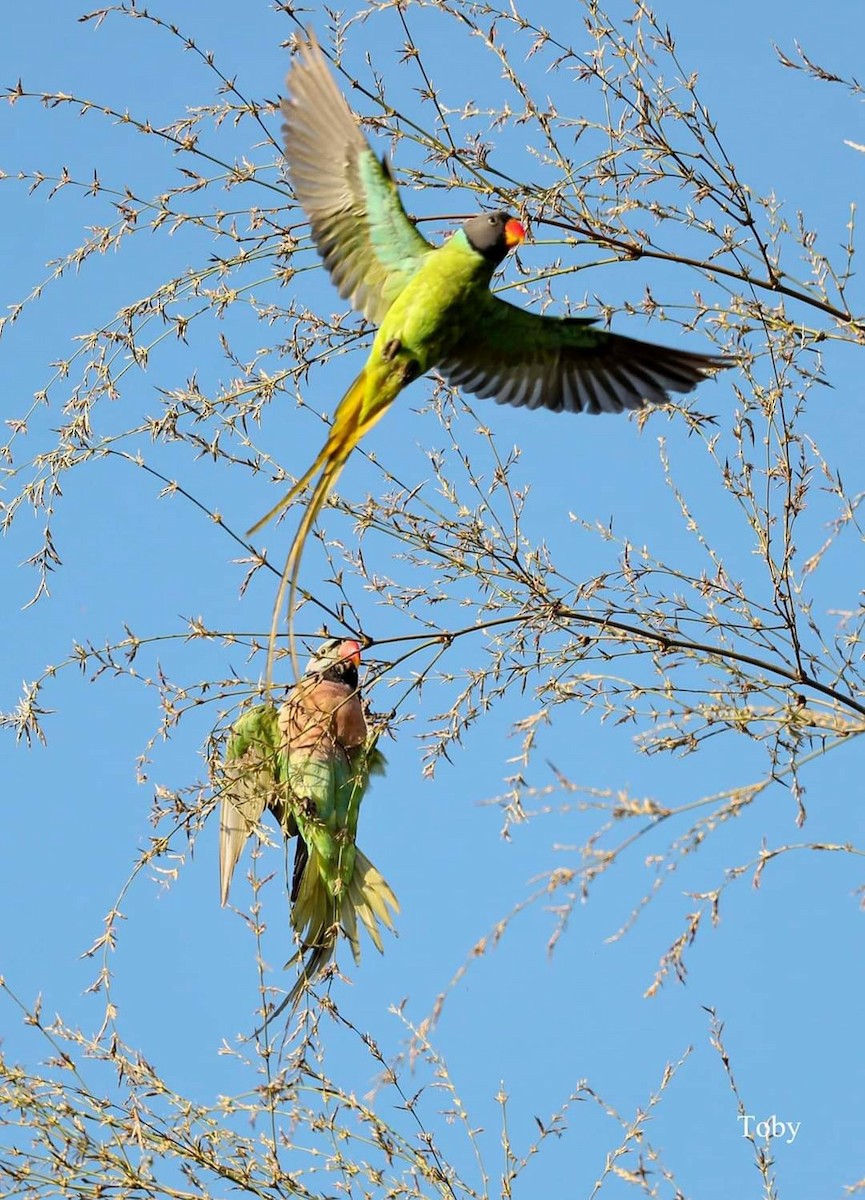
783, 967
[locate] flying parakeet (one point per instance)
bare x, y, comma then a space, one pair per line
433, 305
309, 763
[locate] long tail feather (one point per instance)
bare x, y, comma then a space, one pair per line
318, 916
290, 495
291, 571
371, 884
345, 432
349, 425
310, 971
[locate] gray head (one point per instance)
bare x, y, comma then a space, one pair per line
493, 234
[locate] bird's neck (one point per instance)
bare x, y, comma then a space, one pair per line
465, 254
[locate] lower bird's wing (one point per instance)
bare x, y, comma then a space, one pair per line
564, 364
249, 783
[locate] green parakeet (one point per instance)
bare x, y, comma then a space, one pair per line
309, 763
433, 305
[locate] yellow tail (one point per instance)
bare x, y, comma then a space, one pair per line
318, 915
346, 431
349, 425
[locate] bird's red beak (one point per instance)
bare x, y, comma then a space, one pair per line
514, 233
350, 650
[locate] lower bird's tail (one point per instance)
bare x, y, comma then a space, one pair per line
321, 911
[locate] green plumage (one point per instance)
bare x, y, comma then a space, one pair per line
434, 301
309, 764
433, 305
326, 810
252, 781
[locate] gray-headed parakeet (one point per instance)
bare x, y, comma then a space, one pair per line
433, 305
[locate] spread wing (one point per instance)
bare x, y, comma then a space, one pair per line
563, 364
369, 245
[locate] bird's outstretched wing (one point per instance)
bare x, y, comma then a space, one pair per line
563, 364
369, 245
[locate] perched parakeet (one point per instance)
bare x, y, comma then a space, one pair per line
433, 305
309, 763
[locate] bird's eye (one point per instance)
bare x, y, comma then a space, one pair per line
491, 220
